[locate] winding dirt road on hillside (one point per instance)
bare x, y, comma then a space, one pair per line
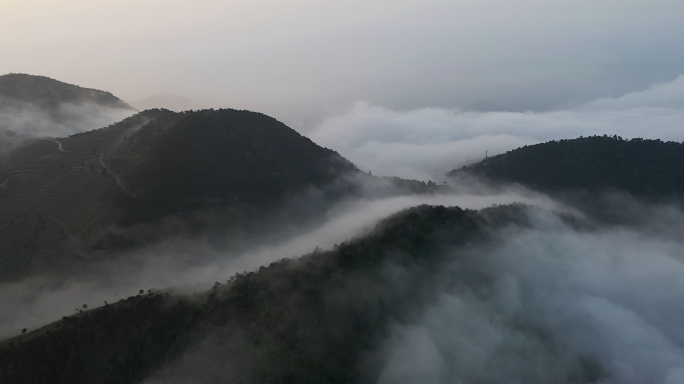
117, 178
24, 172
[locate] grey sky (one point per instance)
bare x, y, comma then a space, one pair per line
425, 143
302, 60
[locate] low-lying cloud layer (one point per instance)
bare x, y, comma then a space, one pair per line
538, 304
66, 118
426, 143
9, 141
196, 264
549, 304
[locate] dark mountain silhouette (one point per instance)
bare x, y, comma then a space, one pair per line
315, 319
58, 195
187, 160
48, 93
55, 195
306, 320
649, 169
43, 107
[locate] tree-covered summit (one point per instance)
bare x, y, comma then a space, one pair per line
311, 319
221, 156
48, 93
641, 167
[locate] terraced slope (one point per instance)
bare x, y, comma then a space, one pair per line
52, 196
146, 167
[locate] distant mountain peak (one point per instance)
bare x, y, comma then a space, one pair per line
46, 91
41, 106
179, 159
643, 168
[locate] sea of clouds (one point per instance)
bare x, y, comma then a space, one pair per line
426, 143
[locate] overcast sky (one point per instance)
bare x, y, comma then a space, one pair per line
300, 60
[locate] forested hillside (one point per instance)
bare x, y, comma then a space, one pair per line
305, 320
58, 195
644, 168
183, 160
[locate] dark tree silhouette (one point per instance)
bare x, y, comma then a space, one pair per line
644, 168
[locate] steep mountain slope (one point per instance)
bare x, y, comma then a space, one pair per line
58, 195
305, 320
650, 169
41, 106
322, 318
192, 159
55, 194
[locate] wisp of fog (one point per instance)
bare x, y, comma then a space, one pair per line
195, 264
548, 301
68, 119
425, 143
549, 304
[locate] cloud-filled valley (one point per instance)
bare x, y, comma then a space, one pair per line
195, 264
570, 294
426, 143
68, 119
548, 304
387, 192
545, 301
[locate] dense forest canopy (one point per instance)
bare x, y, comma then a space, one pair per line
644, 168
225, 154
309, 319
182, 161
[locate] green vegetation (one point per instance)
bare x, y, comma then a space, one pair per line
100, 345
644, 168
305, 320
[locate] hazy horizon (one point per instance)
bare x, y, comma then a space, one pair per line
303, 61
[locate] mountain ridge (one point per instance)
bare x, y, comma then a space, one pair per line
276, 307
649, 169
48, 92
68, 199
